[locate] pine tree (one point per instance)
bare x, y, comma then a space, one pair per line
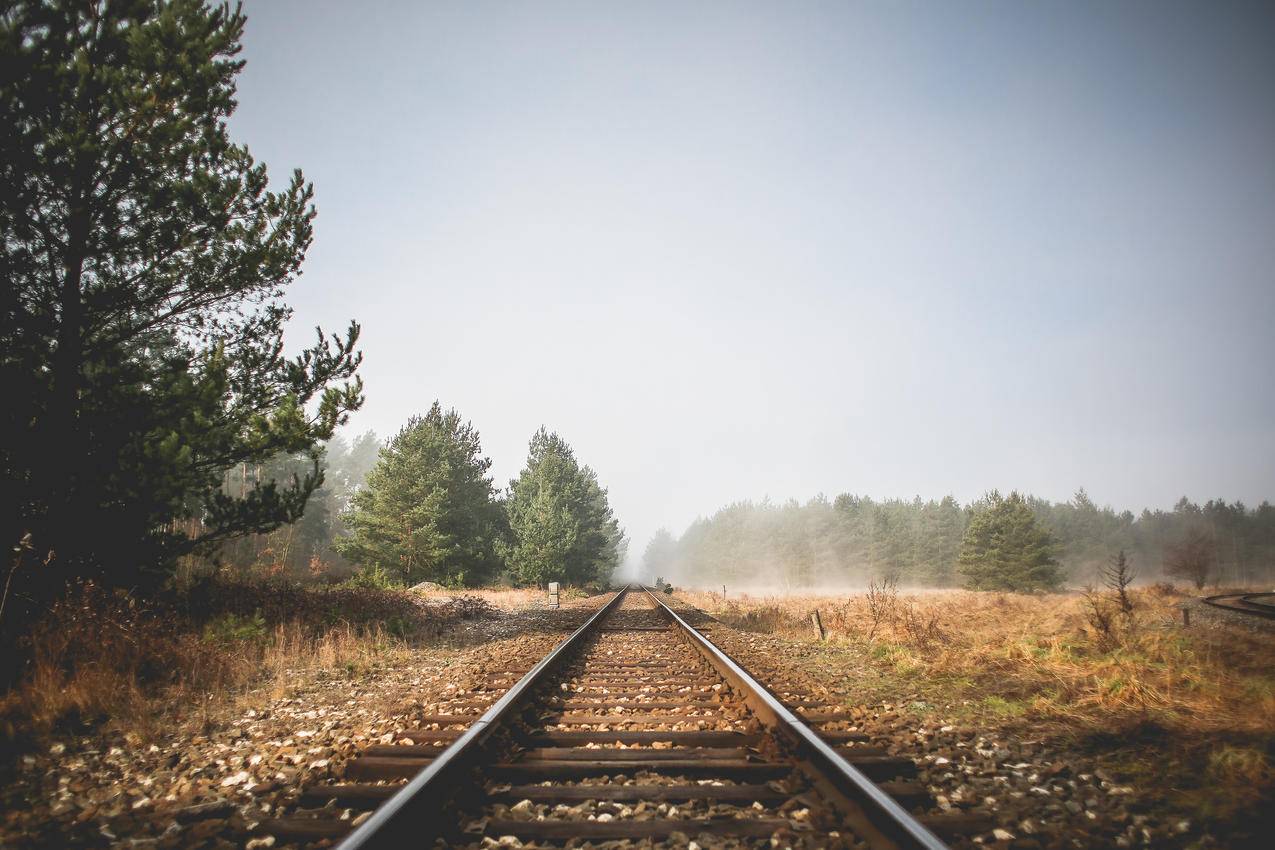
428, 510
657, 558
144, 262
562, 526
1005, 548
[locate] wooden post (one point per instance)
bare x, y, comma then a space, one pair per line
814, 618
723, 593
1186, 616
553, 594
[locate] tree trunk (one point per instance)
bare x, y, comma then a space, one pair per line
66, 455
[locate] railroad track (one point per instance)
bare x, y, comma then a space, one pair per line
1257, 604
636, 728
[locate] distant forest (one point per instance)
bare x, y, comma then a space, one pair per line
852, 540
305, 548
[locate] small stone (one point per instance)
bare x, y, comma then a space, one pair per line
262, 842
1002, 834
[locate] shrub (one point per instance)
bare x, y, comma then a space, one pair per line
101, 655
372, 578
234, 628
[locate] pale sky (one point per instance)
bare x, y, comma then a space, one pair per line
735, 250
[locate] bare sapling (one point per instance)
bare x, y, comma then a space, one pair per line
1111, 614
1118, 576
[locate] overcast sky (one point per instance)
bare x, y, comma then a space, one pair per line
735, 250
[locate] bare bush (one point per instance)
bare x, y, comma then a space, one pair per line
1100, 615
882, 598
921, 628
1191, 558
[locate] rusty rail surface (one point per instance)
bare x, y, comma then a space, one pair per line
1256, 604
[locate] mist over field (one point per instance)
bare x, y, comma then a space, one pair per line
730, 250
849, 542
357, 356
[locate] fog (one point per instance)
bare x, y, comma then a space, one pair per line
745, 250
843, 544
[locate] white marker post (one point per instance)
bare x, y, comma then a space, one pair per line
553, 594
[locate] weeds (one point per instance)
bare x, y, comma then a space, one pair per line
1111, 614
1043, 652
882, 599
104, 657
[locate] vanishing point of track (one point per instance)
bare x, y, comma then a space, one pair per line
635, 728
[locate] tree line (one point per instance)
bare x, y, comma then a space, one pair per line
152, 414
1031, 543
422, 507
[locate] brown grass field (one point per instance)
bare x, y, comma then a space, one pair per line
1190, 710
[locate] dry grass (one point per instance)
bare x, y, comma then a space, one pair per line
293, 649
118, 688
1188, 712
103, 659
1040, 656
505, 598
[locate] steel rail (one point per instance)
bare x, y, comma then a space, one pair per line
411, 815
1252, 599
1243, 603
882, 811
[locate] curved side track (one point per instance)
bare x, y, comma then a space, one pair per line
636, 728
1257, 604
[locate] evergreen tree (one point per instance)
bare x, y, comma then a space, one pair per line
562, 527
144, 262
659, 555
428, 510
304, 548
1006, 549
943, 526
855, 539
